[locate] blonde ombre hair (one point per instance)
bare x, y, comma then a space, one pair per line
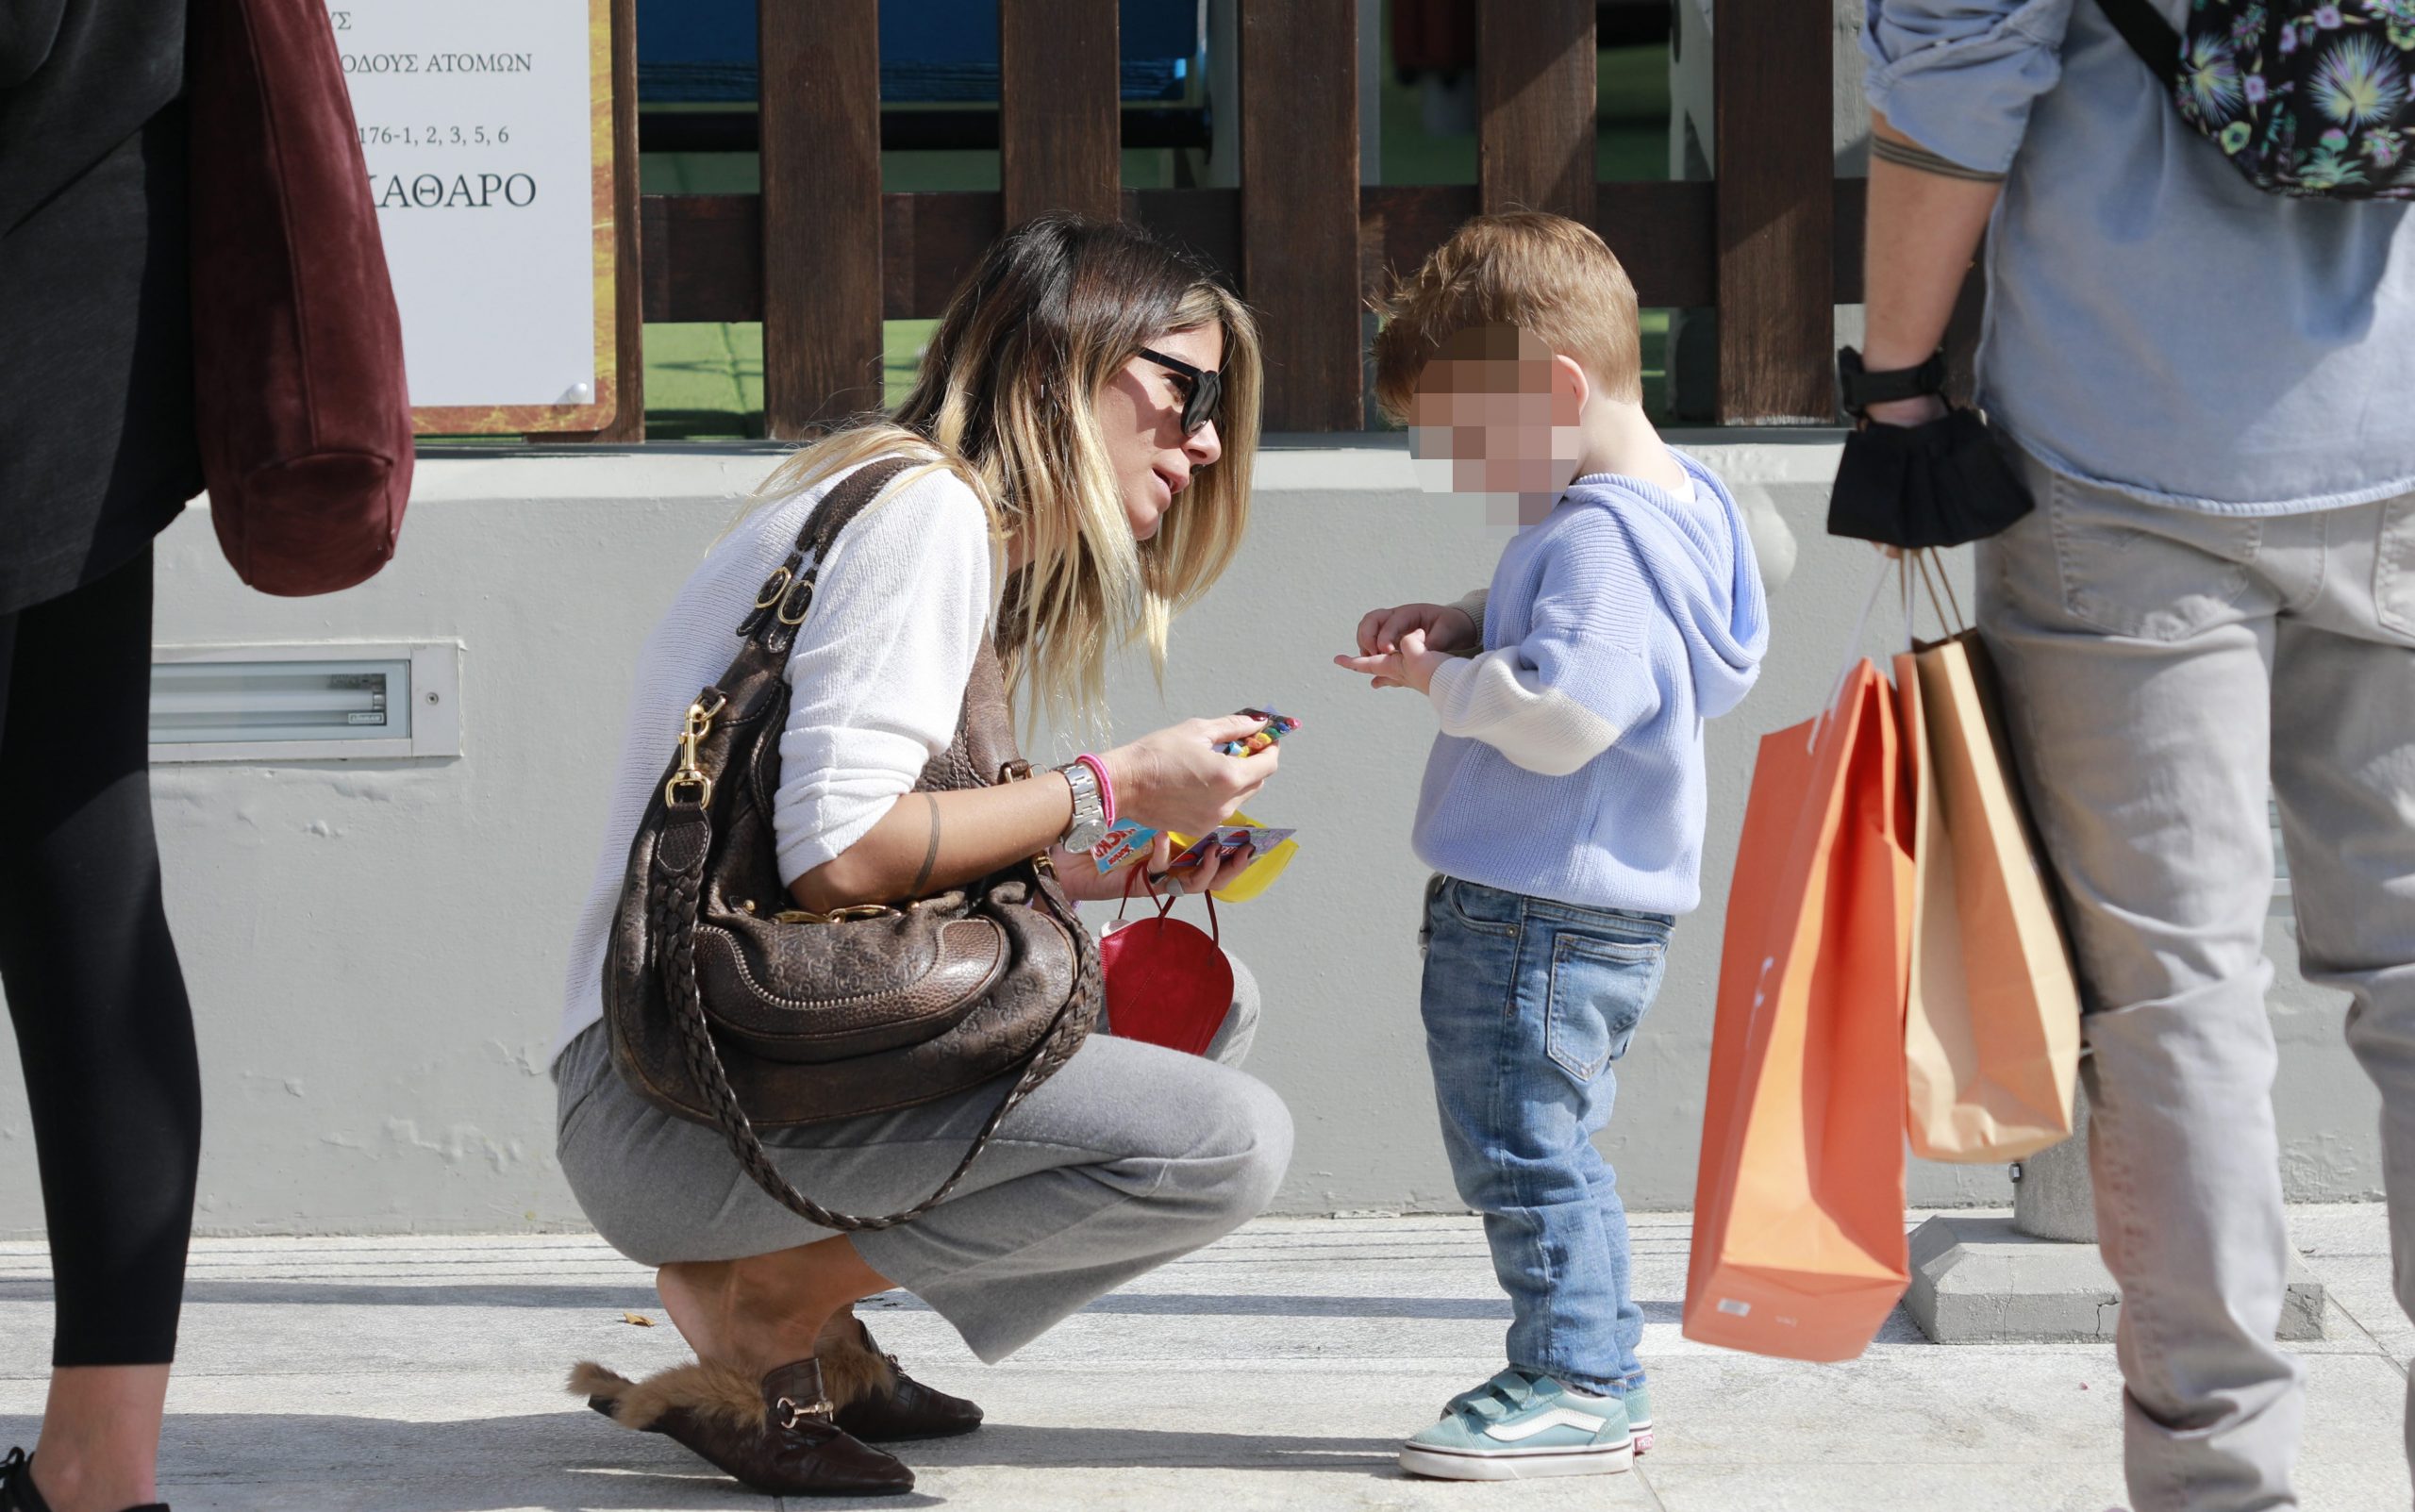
1007, 401
1543, 274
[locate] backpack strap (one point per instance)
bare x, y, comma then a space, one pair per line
2149, 35
780, 606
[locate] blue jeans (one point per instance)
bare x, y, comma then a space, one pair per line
1526, 1003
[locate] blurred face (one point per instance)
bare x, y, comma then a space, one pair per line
1496, 414
1139, 412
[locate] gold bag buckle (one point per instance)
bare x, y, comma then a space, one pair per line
689, 775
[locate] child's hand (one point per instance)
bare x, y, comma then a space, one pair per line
1411, 666
1447, 627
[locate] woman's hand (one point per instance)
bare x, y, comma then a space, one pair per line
1176, 778
1213, 871
1084, 883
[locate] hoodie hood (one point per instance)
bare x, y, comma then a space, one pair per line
1703, 568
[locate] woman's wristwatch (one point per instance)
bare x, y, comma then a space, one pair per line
1089, 808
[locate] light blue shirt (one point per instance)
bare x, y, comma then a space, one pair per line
2154, 323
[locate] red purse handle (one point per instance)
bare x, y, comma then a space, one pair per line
1165, 903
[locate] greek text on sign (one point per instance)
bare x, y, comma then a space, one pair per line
486, 128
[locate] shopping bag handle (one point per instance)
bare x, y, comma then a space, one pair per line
1934, 578
1852, 656
1941, 598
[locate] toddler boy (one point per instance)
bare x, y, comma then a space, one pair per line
1562, 807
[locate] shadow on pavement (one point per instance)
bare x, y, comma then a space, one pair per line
571, 1462
1012, 1446
559, 1462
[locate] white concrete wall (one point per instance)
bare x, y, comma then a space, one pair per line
376, 948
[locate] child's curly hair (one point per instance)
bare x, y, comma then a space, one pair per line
1543, 274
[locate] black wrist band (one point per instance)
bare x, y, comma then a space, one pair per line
1857, 387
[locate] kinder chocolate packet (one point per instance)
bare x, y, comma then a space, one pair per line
1124, 843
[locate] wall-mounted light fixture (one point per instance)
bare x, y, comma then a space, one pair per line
308, 703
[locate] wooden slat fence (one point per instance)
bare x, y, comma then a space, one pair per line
820, 212
1770, 105
1534, 86
1058, 143
1299, 204
821, 255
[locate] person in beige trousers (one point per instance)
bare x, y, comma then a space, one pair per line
2204, 387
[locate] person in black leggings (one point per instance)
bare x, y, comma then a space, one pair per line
97, 454
94, 989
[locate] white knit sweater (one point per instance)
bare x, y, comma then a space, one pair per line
879, 668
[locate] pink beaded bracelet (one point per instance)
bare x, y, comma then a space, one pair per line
1105, 783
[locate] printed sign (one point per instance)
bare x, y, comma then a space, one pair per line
487, 125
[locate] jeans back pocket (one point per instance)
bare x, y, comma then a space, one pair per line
1598, 993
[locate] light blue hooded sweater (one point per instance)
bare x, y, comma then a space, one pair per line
1646, 610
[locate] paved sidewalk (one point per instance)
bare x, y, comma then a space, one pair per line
1278, 1370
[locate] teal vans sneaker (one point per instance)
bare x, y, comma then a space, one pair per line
1519, 1427
1638, 1401
1638, 1416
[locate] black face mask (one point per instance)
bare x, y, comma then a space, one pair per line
1938, 484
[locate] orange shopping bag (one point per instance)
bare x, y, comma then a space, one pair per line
1798, 1241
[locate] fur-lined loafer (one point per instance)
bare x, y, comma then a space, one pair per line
18, 1492
776, 1437
880, 1402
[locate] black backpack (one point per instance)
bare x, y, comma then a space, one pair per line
2316, 101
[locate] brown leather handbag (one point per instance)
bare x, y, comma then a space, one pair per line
726, 1005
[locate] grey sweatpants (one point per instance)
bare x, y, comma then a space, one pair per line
2157, 663
1129, 1156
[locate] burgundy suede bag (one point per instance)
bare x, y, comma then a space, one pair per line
304, 424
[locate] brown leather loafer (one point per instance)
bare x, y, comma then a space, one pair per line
776, 1437
878, 1402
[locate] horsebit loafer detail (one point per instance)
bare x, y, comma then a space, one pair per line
776, 1436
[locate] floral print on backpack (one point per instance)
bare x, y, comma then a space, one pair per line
2306, 100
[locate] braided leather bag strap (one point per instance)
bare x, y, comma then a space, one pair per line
677, 898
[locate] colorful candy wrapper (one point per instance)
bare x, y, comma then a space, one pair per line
1277, 727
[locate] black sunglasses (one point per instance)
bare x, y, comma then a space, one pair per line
1207, 390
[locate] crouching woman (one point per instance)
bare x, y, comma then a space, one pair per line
1080, 436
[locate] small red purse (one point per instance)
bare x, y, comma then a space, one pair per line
1167, 983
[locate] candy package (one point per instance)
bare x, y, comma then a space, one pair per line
1124, 843
1275, 848
1275, 727
1229, 841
